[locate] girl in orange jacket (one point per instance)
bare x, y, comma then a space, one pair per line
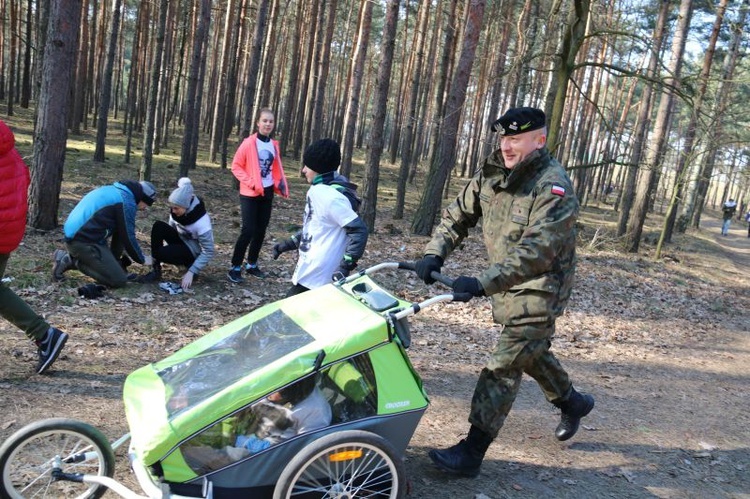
257, 166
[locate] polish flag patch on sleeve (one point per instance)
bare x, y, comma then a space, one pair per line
558, 190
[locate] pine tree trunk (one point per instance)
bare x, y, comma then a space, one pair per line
306, 81
153, 95
444, 158
407, 143
574, 33
372, 165
106, 90
316, 130
254, 67
656, 144
644, 120
79, 93
51, 130
192, 107
358, 64
724, 94
287, 124
227, 58
692, 130
26, 78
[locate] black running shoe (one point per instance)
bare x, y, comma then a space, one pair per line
50, 348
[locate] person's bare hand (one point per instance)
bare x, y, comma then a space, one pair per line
187, 280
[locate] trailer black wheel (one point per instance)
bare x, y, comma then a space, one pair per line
345, 464
28, 456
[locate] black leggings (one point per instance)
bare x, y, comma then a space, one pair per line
175, 251
256, 214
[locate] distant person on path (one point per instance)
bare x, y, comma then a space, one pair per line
747, 219
333, 237
104, 213
186, 240
14, 185
257, 166
728, 210
528, 210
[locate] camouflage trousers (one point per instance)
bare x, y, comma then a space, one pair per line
521, 349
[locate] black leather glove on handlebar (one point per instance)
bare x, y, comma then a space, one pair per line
468, 285
345, 268
426, 266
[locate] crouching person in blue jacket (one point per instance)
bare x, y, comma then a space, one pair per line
100, 233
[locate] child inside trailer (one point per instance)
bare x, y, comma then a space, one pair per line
339, 393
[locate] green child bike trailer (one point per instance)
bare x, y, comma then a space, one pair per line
310, 396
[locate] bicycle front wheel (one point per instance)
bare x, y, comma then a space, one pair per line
28, 457
350, 463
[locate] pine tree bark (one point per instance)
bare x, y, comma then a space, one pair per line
655, 147
81, 69
192, 107
217, 129
644, 120
724, 94
692, 130
106, 89
26, 77
306, 81
290, 101
318, 125
565, 64
444, 157
51, 130
407, 143
153, 93
358, 64
13, 11
368, 210
251, 82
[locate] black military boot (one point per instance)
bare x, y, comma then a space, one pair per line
464, 458
573, 409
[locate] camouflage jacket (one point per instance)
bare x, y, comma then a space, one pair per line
529, 218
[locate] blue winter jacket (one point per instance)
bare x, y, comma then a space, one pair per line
105, 212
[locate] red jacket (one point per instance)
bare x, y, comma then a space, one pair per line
246, 168
14, 184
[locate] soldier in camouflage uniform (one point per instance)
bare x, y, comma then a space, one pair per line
528, 210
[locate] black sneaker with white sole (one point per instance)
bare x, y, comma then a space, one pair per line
235, 275
50, 348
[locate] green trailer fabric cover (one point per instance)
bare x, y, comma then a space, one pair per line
230, 367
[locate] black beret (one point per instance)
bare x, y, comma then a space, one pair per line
519, 120
322, 156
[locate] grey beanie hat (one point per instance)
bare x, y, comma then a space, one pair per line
183, 195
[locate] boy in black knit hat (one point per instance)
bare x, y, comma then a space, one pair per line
333, 237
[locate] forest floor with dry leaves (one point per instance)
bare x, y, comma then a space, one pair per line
663, 346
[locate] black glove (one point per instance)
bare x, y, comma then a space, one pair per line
283, 246
345, 268
426, 266
469, 286
92, 291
